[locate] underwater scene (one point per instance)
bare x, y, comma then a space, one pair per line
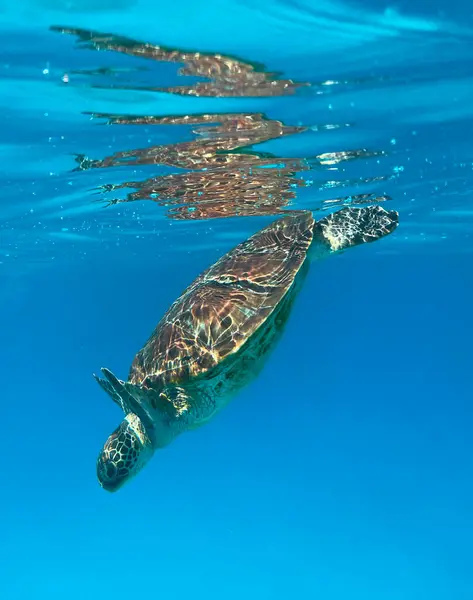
236, 244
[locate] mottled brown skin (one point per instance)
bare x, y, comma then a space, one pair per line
225, 305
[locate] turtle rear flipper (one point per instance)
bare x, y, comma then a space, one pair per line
353, 226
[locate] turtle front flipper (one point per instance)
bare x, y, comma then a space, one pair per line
148, 403
128, 398
107, 387
354, 226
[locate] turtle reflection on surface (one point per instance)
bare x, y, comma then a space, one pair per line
223, 177
229, 76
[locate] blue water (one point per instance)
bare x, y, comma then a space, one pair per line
345, 471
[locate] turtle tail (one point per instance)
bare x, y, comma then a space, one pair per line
353, 226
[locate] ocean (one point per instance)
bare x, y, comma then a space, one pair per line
140, 142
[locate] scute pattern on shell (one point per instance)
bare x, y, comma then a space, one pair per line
225, 305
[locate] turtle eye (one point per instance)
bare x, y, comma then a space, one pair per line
119, 459
106, 469
110, 469
109, 475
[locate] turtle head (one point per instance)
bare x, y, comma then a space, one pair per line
124, 454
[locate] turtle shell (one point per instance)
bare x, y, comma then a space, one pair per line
225, 305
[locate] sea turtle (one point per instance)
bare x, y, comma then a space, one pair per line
213, 339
